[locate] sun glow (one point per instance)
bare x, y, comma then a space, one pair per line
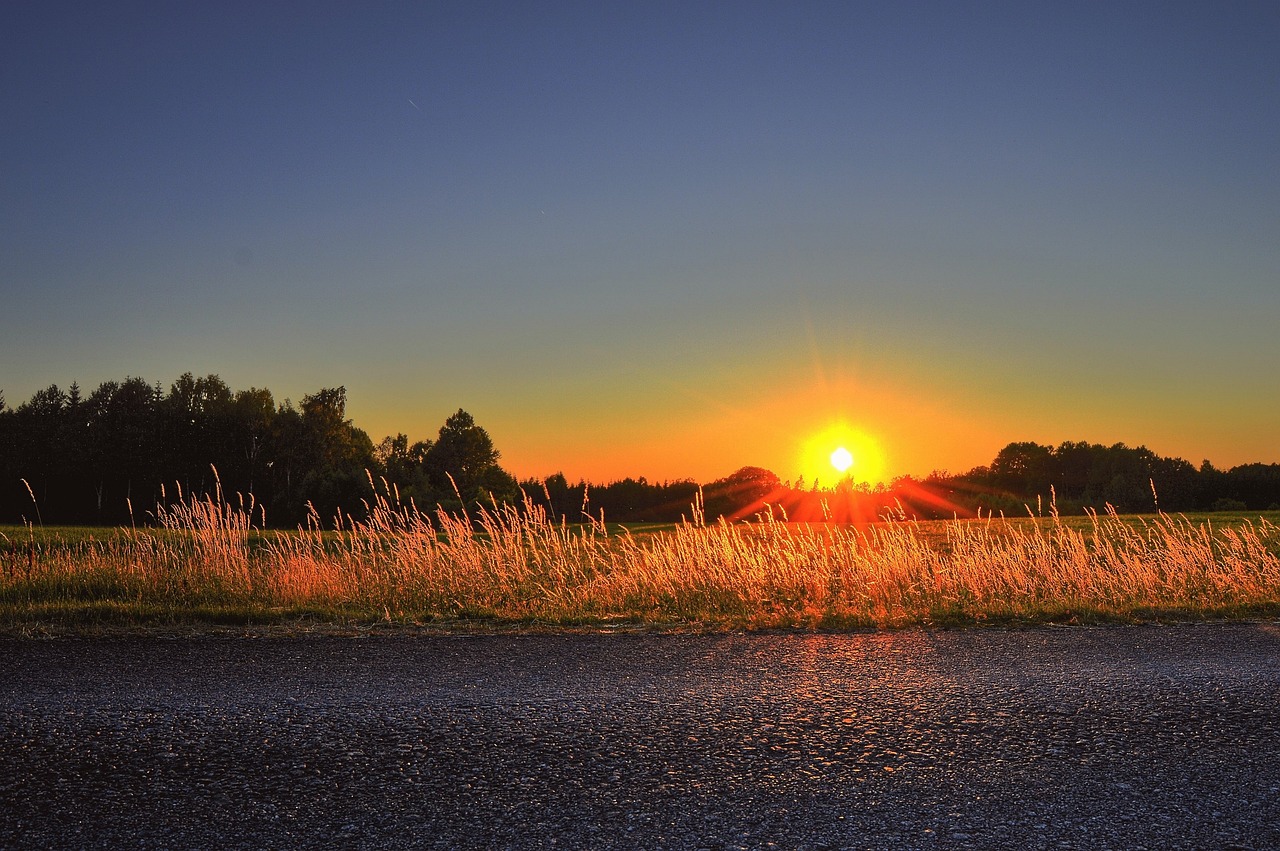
841, 453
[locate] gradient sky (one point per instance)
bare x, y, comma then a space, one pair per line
661, 240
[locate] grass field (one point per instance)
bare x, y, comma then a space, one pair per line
203, 564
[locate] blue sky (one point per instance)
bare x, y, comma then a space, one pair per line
661, 239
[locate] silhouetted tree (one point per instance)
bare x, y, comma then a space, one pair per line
743, 492
463, 457
1256, 485
1213, 484
124, 457
1025, 468
562, 500
252, 413
404, 465
336, 455
36, 425
197, 425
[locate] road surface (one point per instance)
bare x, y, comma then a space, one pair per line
1137, 737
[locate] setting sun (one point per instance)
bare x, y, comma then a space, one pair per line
846, 452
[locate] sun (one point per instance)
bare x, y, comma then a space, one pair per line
841, 452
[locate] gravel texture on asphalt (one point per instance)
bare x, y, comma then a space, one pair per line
1141, 737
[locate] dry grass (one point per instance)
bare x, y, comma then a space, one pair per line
205, 563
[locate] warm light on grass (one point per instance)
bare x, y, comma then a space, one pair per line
207, 564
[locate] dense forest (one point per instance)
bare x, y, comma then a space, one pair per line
111, 457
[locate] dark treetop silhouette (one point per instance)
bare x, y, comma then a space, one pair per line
111, 457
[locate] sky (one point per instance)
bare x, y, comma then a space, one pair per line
663, 239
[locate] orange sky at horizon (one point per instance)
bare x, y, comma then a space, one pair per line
690, 430
789, 420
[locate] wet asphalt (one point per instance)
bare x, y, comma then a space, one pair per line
1134, 737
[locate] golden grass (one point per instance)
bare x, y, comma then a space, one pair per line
205, 561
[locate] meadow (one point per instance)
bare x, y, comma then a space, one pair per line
202, 563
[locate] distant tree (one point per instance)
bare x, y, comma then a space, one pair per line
1176, 484
628, 497
1211, 485
288, 464
1025, 468
125, 460
48, 402
335, 441
74, 450
558, 492
1074, 463
35, 425
9, 475
1131, 473
337, 456
463, 457
403, 465
197, 423
562, 500
199, 395
743, 492
1256, 485
252, 412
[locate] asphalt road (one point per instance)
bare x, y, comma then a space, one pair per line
1151, 737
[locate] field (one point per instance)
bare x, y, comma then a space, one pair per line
203, 564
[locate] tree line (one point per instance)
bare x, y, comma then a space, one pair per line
112, 456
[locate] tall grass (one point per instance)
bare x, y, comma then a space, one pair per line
204, 560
